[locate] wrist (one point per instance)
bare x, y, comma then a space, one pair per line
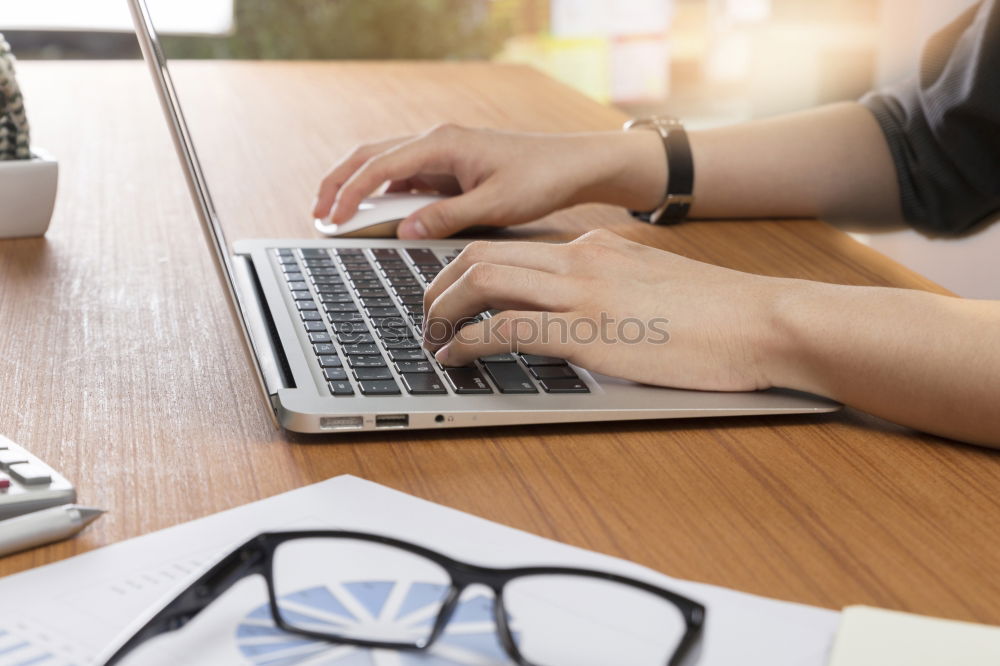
627, 169
796, 321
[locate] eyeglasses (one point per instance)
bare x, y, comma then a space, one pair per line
370, 591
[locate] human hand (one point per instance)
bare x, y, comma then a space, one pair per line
499, 178
609, 305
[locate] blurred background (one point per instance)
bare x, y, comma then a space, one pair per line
711, 62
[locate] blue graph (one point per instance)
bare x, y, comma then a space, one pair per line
470, 637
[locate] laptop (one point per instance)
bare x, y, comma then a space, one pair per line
333, 328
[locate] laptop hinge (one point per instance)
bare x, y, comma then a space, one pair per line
272, 367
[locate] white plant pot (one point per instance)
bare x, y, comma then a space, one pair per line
27, 195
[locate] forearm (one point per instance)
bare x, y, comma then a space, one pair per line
832, 162
927, 361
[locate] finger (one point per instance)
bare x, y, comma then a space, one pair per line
448, 217
486, 286
515, 331
341, 171
443, 184
428, 153
537, 256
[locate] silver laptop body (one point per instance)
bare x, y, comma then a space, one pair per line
271, 281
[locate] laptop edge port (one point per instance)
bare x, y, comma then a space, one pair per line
341, 422
392, 420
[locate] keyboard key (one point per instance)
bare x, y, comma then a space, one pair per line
384, 312
553, 372
302, 295
303, 306
396, 343
335, 374
466, 380
385, 253
509, 378
354, 338
311, 315
410, 367
362, 374
349, 306
319, 337
325, 348
379, 387
377, 302
366, 361
406, 355
314, 326
564, 385
532, 359
297, 286
329, 298
345, 317
499, 358
349, 327
330, 361
341, 388
373, 293
366, 349
424, 384
422, 255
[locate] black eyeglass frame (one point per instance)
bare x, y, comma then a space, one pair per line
256, 556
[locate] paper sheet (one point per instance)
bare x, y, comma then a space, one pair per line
877, 637
68, 611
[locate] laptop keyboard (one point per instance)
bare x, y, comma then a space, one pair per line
362, 310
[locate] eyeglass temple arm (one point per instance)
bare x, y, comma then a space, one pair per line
246, 560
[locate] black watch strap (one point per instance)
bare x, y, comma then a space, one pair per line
679, 194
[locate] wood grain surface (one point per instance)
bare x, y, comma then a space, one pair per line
121, 366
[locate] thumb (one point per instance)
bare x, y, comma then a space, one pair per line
449, 216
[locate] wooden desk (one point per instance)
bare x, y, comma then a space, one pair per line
121, 366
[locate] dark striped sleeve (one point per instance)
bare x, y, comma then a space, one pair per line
943, 127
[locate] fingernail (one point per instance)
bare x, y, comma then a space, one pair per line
442, 355
418, 229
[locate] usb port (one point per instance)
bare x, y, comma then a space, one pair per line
341, 422
392, 420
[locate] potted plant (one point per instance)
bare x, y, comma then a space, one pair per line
28, 177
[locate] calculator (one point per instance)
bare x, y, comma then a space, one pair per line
27, 484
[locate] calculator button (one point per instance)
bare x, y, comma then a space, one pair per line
30, 474
8, 458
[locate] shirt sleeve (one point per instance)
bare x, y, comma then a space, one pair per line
943, 127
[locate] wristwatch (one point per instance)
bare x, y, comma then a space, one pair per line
679, 195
